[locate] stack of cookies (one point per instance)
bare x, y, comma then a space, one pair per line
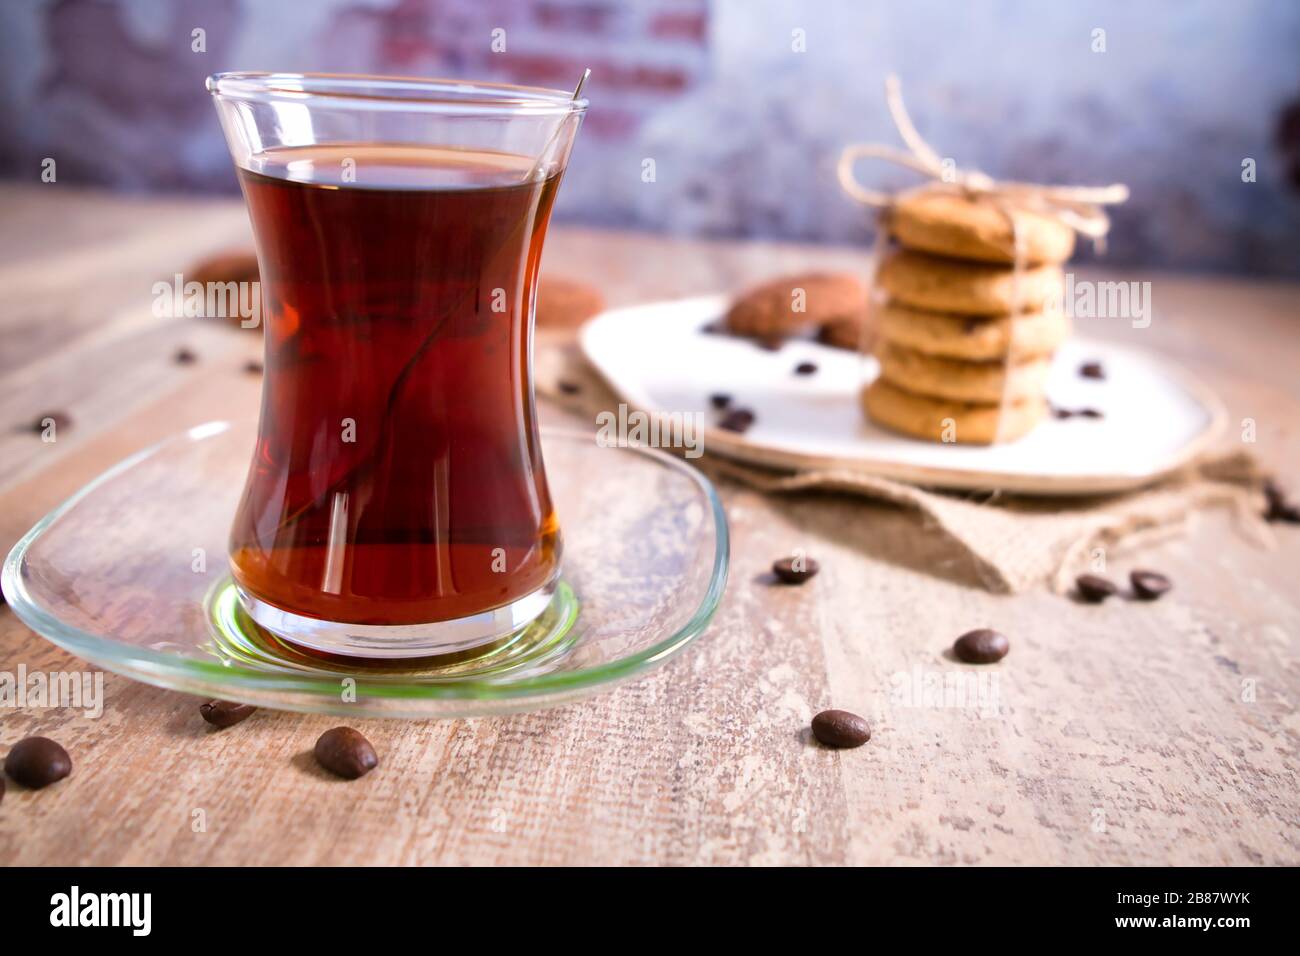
965, 343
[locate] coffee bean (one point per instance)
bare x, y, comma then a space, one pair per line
1058, 412
1092, 370
719, 400
737, 420
253, 367
1149, 585
343, 751
795, 570
805, 368
185, 356
37, 762
1093, 588
225, 713
1279, 508
569, 388
1090, 413
982, 646
839, 728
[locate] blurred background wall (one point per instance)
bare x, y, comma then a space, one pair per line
743, 104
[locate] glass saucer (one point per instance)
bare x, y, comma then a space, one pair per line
130, 574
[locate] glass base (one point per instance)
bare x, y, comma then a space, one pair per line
380, 641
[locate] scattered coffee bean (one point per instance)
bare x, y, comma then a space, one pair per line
1058, 412
1279, 508
569, 388
1149, 585
805, 368
37, 762
345, 752
795, 570
57, 419
1093, 588
720, 400
185, 356
737, 420
1092, 370
982, 646
839, 728
253, 367
225, 713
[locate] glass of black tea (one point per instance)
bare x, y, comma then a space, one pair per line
396, 505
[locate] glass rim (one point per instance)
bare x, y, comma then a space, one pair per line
415, 94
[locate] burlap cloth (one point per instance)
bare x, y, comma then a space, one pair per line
1015, 542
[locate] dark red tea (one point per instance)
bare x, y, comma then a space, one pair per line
397, 477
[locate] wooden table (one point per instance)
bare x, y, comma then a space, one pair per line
1123, 736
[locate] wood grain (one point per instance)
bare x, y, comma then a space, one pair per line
1110, 735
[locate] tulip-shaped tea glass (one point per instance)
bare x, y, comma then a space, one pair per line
396, 505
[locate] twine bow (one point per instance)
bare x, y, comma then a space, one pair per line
1078, 207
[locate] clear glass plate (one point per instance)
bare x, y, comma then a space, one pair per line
130, 574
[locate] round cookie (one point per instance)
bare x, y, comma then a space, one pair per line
968, 288
938, 418
951, 223
937, 377
769, 311
565, 303
973, 338
856, 332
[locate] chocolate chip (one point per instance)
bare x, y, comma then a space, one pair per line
185, 356
253, 367
805, 368
1092, 370
58, 419
982, 646
569, 388
795, 570
719, 400
225, 713
839, 728
737, 420
345, 752
1093, 588
37, 762
1149, 585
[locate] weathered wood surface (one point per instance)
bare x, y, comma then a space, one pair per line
1121, 734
